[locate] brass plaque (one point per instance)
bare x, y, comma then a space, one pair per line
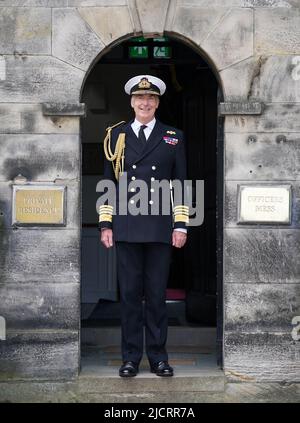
38, 205
265, 204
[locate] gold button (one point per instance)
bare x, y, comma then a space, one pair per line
132, 189
133, 166
152, 190
132, 201
133, 178
152, 178
153, 167
150, 202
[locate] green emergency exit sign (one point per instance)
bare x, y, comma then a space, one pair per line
162, 52
143, 51
138, 52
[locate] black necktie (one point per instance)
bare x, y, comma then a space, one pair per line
142, 136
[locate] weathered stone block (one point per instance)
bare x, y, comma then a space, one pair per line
40, 306
261, 357
262, 78
49, 256
72, 39
261, 255
88, 3
276, 118
274, 3
237, 79
25, 30
39, 355
231, 204
261, 307
152, 15
63, 109
196, 22
37, 79
241, 3
109, 23
277, 31
39, 157
232, 39
212, 3
202, 3
2, 68
262, 157
276, 79
35, 3
28, 118
10, 119
72, 201
39, 392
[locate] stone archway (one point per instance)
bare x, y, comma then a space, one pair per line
179, 23
98, 281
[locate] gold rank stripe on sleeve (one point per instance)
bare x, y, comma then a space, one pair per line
107, 209
105, 213
181, 213
105, 218
181, 209
181, 218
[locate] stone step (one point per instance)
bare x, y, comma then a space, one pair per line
195, 370
184, 380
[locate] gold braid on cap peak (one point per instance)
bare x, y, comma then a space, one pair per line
118, 155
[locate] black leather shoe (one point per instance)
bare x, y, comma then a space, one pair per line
129, 369
162, 368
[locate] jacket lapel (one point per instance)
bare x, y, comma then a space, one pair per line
154, 139
131, 139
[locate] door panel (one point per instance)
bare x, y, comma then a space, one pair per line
199, 123
99, 279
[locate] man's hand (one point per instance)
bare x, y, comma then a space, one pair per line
178, 239
107, 237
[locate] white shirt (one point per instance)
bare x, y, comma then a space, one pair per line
136, 125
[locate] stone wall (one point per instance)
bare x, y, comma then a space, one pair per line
47, 48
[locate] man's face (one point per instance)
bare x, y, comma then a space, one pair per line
144, 106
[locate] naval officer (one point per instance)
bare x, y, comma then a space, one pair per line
147, 150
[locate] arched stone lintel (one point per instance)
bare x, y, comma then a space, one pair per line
188, 42
199, 50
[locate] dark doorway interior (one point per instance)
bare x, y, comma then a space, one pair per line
190, 103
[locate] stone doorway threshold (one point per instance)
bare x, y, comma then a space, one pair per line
191, 353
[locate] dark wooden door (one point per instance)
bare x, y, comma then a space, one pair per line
195, 267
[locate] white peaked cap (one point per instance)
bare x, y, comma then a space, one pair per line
145, 84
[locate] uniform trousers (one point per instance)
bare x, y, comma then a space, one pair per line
143, 271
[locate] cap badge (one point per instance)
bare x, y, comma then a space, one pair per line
144, 83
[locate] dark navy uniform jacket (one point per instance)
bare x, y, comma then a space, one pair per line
162, 158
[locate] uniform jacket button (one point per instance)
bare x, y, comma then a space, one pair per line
133, 166
153, 167
133, 178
